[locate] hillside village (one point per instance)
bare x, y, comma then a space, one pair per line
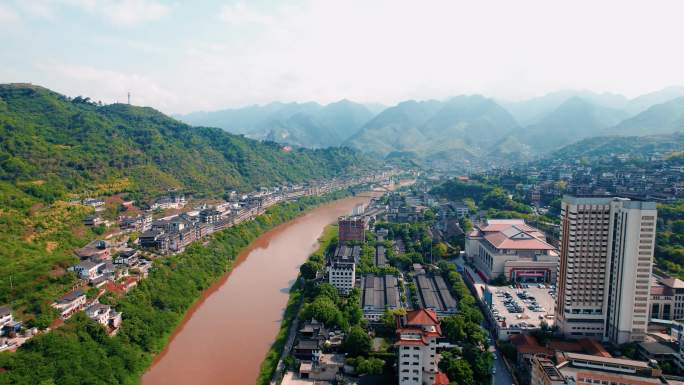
138, 236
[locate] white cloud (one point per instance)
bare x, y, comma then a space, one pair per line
219, 55
241, 14
128, 12
123, 12
8, 16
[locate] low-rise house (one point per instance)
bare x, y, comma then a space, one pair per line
5, 316
97, 249
70, 303
88, 269
97, 204
154, 239
127, 258
104, 315
93, 220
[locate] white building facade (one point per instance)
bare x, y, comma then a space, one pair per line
606, 258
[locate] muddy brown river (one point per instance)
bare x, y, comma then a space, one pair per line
225, 336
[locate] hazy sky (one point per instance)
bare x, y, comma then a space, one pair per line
181, 56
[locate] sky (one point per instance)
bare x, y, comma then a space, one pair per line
182, 56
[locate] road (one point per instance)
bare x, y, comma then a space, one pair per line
502, 375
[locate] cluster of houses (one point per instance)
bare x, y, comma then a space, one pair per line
115, 267
656, 177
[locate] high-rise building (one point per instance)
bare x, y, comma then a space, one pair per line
606, 257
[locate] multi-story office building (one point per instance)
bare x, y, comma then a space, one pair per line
342, 268
606, 254
667, 298
418, 331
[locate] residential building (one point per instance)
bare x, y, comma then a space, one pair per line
461, 209
418, 332
352, 228
70, 303
512, 248
210, 215
104, 315
342, 268
5, 316
88, 269
606, 254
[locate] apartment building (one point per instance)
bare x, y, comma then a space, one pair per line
418, 331
511, 248
352, 228
606, 254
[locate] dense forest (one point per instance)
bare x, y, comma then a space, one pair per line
54, 148
80, 352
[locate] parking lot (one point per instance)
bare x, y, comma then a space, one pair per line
525, 307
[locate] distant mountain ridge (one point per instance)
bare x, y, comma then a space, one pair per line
462, 130
303, 124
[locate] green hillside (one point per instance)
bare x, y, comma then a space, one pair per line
53, 148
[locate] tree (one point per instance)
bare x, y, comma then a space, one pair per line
323, 309
358, 342
457, 369
369, 365
309, 269
440, 250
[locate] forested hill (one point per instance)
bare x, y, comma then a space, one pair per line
53, 145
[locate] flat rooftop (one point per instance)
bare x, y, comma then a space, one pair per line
531, 316
433, 293
380, 256
379, 292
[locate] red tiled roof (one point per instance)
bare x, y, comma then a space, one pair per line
502, 241
441, 379
524, 340
422, 317
420, 342
565, 346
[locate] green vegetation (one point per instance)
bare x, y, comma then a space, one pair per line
81, 352
470, 363
53, 149
669, 251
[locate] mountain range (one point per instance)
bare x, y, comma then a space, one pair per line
51, 145
458, 130
303, 124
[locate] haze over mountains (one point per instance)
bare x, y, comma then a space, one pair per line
459, 128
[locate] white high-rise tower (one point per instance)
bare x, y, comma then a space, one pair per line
606, 258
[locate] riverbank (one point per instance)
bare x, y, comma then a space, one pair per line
81, 352
275, 353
